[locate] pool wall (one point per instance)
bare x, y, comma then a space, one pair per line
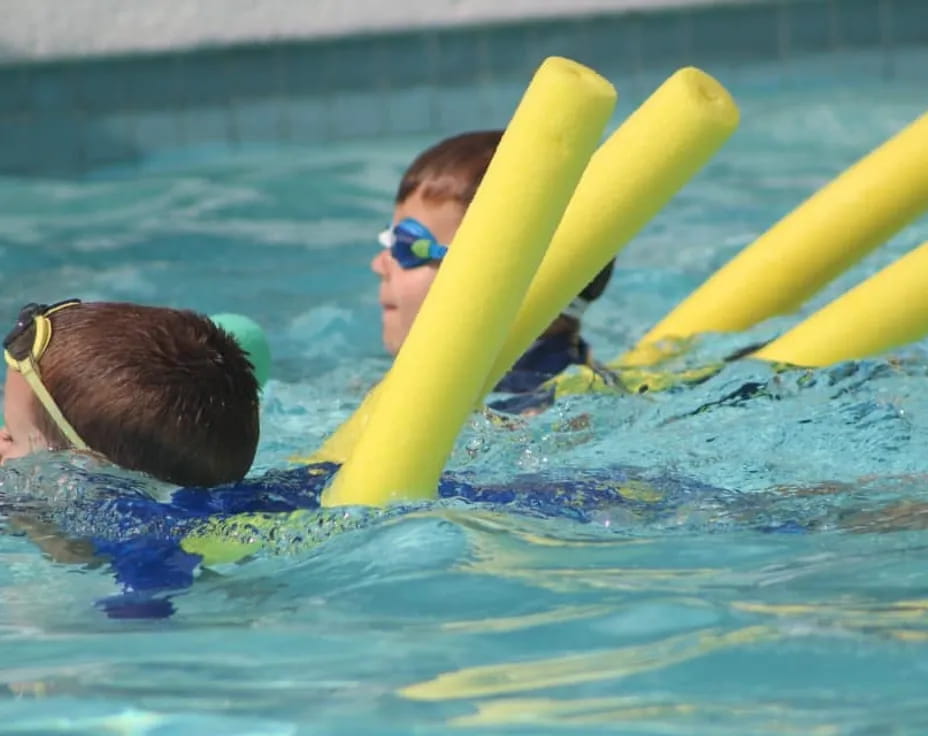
40, 30
65, 116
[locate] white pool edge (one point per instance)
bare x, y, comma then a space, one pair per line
42, 30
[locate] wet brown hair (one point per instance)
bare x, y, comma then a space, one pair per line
453, 169
158, 390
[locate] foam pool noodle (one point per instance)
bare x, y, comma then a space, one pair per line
440, 371
338, 446
627, 181
251, 338
888, 310
825, 235
632, 176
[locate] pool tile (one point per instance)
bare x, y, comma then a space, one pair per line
15, 96
108, 139
52, 88
858, 23
458, 58
153, 130
208, 79
350, 65
495, 103
743, 32
612, 46
18, 144
356, 115
101, 85
59, 143
909, 21
505, 51
555, 39
255, 120
810, 25
207, 124
665, 39
401, 60
254, 72
409, 110
155, 83
909, 63
303, 68
459, 109
305, 119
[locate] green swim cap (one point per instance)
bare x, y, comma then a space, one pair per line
252, 339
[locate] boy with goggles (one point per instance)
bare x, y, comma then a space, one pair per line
157, 390
430, 203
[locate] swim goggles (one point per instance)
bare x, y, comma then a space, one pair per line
411, 243
26, 363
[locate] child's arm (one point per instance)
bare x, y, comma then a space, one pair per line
50, 539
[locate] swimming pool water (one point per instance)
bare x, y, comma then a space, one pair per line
769, 576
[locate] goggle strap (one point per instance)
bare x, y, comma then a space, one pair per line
43, 326
43, 335
30, 371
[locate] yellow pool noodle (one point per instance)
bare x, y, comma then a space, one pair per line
886, 311
339, 445
809, 247
439, 373
642, 165
627, 181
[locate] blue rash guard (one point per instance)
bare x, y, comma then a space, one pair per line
142, 539
547, 358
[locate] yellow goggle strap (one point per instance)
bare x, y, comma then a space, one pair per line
29, 369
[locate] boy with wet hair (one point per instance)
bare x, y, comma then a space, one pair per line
431, 200
157, 390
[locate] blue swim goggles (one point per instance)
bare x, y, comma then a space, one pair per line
411, 244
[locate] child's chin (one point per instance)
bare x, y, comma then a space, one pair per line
391, 346
391, 335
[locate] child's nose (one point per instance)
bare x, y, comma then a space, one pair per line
379, 263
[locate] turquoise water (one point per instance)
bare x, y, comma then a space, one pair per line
679, 613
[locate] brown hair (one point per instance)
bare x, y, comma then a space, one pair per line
159, 390
453, 169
